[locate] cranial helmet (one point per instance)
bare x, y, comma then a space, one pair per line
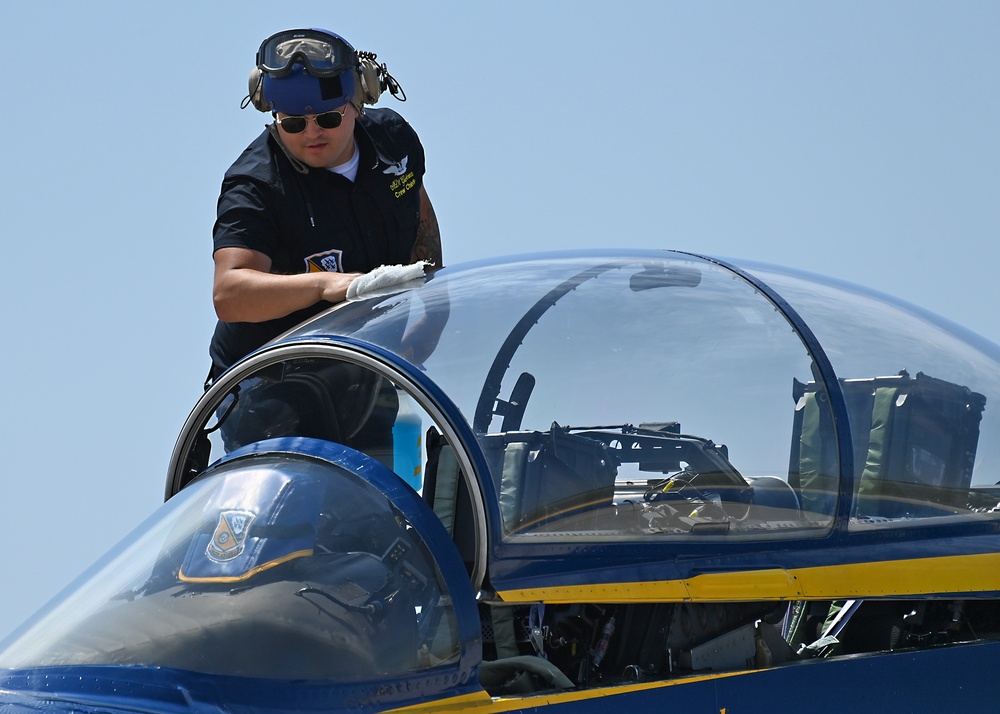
315, 71
299, 92
304, 72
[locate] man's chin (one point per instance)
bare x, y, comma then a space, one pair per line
315, 162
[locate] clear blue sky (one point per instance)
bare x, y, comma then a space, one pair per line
855, 139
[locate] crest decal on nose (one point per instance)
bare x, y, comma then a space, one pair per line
229, 536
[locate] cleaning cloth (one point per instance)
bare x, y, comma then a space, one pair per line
385, 276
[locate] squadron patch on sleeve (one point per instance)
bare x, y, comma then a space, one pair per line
330, 261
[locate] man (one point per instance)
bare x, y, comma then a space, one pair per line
327, 192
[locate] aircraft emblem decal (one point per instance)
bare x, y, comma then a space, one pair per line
230, 535
397, 169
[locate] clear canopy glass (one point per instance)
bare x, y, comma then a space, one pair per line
637, 343
276, 567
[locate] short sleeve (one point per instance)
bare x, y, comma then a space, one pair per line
245, 217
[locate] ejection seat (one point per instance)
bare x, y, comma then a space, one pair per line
511, 673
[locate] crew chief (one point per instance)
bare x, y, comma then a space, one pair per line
328, 191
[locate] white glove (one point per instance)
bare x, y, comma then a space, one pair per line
385, 276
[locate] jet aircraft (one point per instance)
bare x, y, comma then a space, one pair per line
582, 481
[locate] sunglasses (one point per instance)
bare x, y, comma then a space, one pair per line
327, 120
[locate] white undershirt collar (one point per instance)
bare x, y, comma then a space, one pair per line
349, 169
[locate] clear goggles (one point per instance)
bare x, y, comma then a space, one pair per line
322, 53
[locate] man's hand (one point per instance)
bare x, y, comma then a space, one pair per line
385, 276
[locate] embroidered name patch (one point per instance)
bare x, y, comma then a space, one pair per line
404, 180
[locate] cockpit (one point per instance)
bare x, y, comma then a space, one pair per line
606, 393
633, 437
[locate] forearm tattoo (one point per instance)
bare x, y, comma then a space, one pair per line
428, 243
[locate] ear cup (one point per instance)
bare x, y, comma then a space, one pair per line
255, 91
369, 86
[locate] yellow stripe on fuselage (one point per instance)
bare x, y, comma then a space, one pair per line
477, 701
482, 703
891, 578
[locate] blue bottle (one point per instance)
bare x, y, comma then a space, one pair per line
407, 442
